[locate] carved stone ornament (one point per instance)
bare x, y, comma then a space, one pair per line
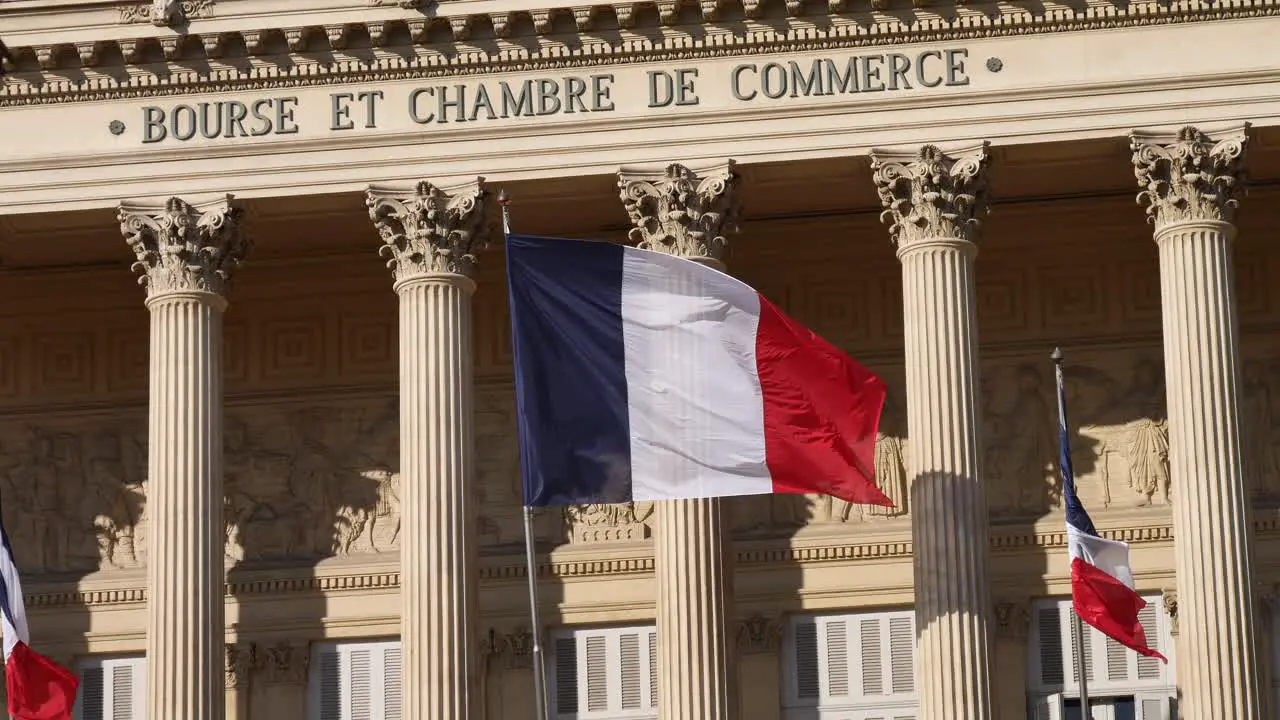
1169, 598
930, 194
285, 662
759, 634
514, 648
184, 247
1013, 618
241, 659
427, 230
680, 211
1189, 176
162, 13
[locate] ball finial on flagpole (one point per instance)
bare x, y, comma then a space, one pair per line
504, 200
1056, 356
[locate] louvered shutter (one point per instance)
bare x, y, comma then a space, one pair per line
355, 680
1049, 634
606, 673
808, 671
1155, 706
872, 657
1150, 668
902, 654
112, 688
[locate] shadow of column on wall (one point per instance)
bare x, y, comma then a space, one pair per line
311, 508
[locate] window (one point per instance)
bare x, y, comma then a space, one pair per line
855, 666
355, 680
1123, 685
112, 688
604, 673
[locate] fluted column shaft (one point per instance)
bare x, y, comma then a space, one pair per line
1189, 185
931, 199
694, 574
1212, 530
185, 572
438, 572
186, 255
431, 237
686, 212
949, 523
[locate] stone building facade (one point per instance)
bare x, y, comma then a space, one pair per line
250, 469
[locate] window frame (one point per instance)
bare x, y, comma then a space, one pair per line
378, 675
1045, 701
612, 635
857, 703
106, 664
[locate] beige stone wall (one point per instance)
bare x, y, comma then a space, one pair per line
312, 485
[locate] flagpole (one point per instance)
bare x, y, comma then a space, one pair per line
1077, 627
530, 554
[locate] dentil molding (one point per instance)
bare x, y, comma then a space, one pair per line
441, 44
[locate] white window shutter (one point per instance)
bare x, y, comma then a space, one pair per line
808, 673
594, 683
355, 680
91, 705
902, 644
1049, 634
566, 675
653, 670
836, 646
393, 681
112, 688
872, 656
1155, 706
1148, 667
1047, 708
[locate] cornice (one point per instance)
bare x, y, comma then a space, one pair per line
534, 40
636, 560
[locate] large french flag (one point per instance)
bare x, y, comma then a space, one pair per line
38, 688
644, 376
1102, 587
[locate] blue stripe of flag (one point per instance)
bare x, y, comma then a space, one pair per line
1076, 515
570, 370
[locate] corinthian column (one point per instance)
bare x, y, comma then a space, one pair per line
431, 239
186, 255
931, 201
685, 212
1189, 185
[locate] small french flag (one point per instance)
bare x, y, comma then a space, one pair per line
1102, 587
38, 688
644, 376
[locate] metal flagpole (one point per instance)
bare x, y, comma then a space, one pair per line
1077, 626
530, 555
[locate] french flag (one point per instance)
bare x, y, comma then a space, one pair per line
1102, 587
644, 376
38, 688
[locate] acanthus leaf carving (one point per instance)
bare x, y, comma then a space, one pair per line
1013, 618
162, 13
1189, 176
1169, 598
184, 247
682, 211
931, 195
427, 230
759, 634
242, 657
284, 662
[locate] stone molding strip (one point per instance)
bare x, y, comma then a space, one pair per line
180, 64
505, 570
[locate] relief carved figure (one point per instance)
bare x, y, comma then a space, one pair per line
1261, 436
72, 491
1021, 440
1119, 443
312, 482
608, 522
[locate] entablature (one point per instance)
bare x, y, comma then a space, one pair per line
63, 50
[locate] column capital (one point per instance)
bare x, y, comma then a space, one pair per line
929, 194
1169, 599
184, 247
682, 210
1013, 616
242, 657
1187, 176
428, 229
